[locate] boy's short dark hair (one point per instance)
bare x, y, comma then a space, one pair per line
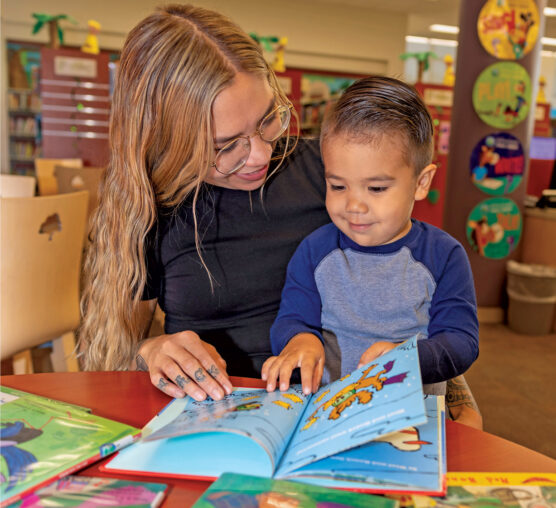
376, 106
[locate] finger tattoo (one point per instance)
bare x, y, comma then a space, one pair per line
213, 371
162, 383
182, 381
141, 363
199, 375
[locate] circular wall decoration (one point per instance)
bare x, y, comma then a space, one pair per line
497, 164
502, 95
508, 29
494, 227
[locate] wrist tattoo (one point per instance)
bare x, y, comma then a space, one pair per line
182, 381
162, 383
141, 363
459, 394
213, 371
199, 375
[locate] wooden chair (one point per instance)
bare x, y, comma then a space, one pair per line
44, 171
88, 178
17, 186
40, 247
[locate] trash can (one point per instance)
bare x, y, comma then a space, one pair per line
532, 297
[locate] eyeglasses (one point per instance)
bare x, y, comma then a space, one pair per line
233, 155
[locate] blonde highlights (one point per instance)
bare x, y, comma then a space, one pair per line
173, 65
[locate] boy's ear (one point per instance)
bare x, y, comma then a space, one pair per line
424, 181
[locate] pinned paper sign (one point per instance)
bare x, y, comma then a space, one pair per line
508, 29
502, 95
494, 227
497, 164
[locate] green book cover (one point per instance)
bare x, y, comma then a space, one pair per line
79, 491
44, 439
234, 490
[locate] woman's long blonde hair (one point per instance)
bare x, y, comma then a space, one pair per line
173, 65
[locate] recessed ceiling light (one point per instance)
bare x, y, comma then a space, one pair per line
433, 42
445, 29
548, 41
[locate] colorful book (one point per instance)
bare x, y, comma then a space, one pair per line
278, 434
90, 492
490, 490
232, 490
45, 439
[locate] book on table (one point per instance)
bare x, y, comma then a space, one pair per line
45, 439
372, 430
255, 492
86, 491
490, 490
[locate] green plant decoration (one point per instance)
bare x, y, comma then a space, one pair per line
423, 61
56, 33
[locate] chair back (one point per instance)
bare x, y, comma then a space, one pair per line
44, 171
41, 247
17, 186
79, 179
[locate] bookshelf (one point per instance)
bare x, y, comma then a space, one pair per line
24, 128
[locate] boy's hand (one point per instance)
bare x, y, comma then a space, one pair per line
304, 351
376, 350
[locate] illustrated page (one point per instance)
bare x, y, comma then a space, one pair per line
381, 397
411, 459
267, 418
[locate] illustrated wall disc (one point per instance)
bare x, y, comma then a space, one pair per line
497, 164
494, 227
502, 95
508, 29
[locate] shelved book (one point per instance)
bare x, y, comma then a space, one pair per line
255, 492
91, 492
45, 439
327, 438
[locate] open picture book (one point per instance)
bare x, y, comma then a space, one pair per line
311, 438
45, 439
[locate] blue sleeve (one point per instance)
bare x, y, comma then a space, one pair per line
453, 333
300, 307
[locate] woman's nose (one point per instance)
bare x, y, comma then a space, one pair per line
260, 152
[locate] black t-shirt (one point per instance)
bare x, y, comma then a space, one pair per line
246, 243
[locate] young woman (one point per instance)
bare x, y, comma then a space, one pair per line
199, 209
204, 200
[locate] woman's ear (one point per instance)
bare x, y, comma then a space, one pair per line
424, 181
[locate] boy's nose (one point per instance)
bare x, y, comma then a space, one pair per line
355, 205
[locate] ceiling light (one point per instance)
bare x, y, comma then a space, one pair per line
445, 29
549, 11
548, 41
428, 41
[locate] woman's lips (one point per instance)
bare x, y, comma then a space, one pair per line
254, 175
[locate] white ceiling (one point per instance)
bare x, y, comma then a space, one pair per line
423, 13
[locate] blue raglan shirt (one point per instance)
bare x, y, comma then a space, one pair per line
352, 296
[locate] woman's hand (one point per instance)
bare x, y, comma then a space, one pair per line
304, 351
181, 364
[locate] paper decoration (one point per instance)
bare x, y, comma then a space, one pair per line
502, 95
497, 164
494, 227
508, 29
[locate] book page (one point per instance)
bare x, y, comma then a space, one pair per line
382, 397
269, 419
407, 460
